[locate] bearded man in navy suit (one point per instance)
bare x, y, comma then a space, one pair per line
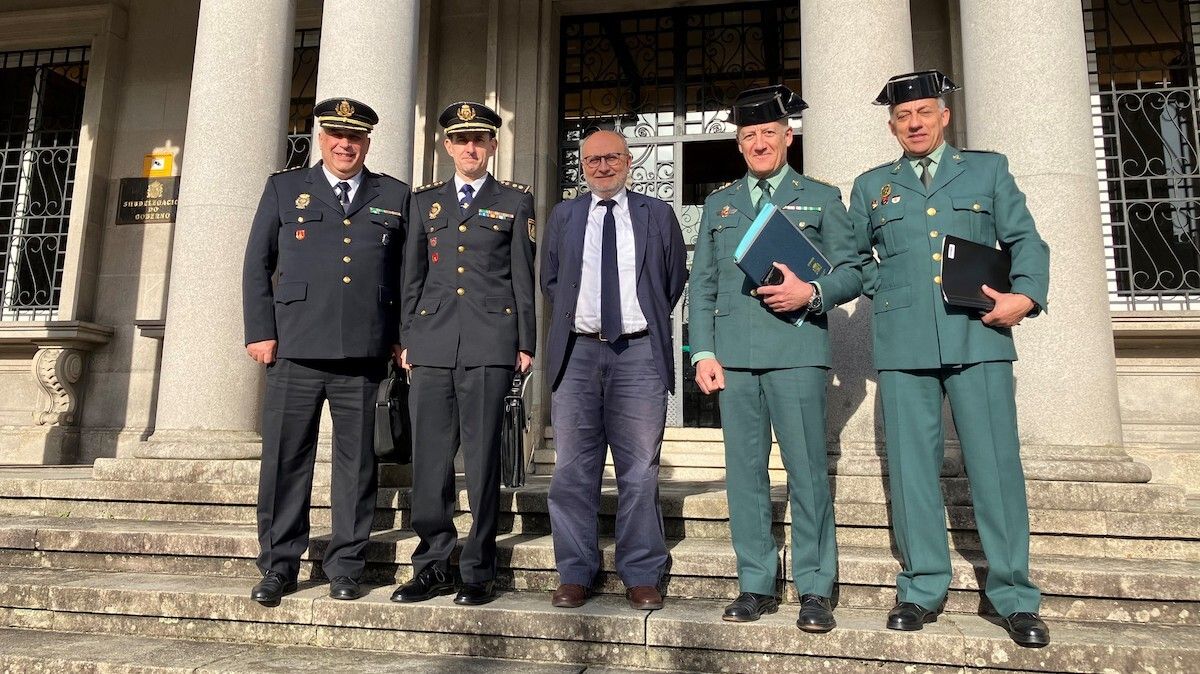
613, 267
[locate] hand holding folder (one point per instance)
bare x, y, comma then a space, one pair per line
977, 276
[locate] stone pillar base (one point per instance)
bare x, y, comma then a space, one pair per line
1041, 462
173, 444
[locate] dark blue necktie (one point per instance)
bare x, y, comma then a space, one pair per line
468, 193
610, 281
342, 190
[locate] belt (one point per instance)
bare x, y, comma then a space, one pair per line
628, 335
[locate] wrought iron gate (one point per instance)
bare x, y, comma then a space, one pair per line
40, 117
664, 79
1145, 84
302, 97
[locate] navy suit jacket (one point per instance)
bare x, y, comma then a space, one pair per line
661, 274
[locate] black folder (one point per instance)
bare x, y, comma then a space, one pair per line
773, 238
966, 266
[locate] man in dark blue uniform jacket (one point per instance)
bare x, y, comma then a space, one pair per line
333, 237
468, 321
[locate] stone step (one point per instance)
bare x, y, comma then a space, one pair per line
1162, 590
188, 484
691, 510
26, 650
685, 634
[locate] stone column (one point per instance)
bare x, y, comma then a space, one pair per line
369, 53
1027, 95
209, 389
848, 51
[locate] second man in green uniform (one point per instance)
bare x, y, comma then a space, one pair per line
771, 372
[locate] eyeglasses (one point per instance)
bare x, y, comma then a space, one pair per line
613, 160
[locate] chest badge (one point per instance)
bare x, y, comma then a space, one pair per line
896, 199
725, 211
434, 257
433, 242
386, 238
299, 234
302, 200
874, 204
885, 192
434, 210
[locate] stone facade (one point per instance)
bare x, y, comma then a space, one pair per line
99, 381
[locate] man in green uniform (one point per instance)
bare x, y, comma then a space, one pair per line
926, 349
772, 372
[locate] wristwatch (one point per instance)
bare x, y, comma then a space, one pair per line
815, 305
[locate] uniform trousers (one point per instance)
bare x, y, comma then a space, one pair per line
792, 400
296, 392
985, 415
450, 406
610, 395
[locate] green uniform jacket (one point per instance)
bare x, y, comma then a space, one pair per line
723, 316
973, 196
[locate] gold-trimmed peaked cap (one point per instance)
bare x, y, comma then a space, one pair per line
915, 86
765, 104
345, 113
469, 116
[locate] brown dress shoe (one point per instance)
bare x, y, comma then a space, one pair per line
644, 597
570, 595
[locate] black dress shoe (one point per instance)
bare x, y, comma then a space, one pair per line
344, 587
816, 614
429, 583
749, 606
1027, 629
910, 617
271, 588
474, 594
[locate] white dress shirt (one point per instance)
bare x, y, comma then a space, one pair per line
354, 181
587, 309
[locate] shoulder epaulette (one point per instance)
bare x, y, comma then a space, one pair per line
886, 163
430, 186
516, 186
294, 168
722, 187
980, 151
821, 182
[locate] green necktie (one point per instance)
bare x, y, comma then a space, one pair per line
765, 197
926, 176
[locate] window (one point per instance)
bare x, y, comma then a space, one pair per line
41, 111
1142, 56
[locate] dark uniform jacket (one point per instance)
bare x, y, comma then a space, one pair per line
726, 318
973, 196
468, 280
338, 286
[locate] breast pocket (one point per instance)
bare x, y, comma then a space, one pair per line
388, 229
974, 215
726, 235
495, 225
887, 227
298, 225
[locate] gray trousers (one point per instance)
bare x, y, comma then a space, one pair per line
610, 395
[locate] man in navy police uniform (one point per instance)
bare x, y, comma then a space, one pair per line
468, 322
325, 329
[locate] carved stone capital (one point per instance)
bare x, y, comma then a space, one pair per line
56, 370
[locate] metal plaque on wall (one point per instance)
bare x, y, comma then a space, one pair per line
147, 200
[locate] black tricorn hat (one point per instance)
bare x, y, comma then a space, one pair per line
469, 116
765, 104
915, 86
345, 113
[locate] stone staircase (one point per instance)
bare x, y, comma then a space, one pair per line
164, 550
